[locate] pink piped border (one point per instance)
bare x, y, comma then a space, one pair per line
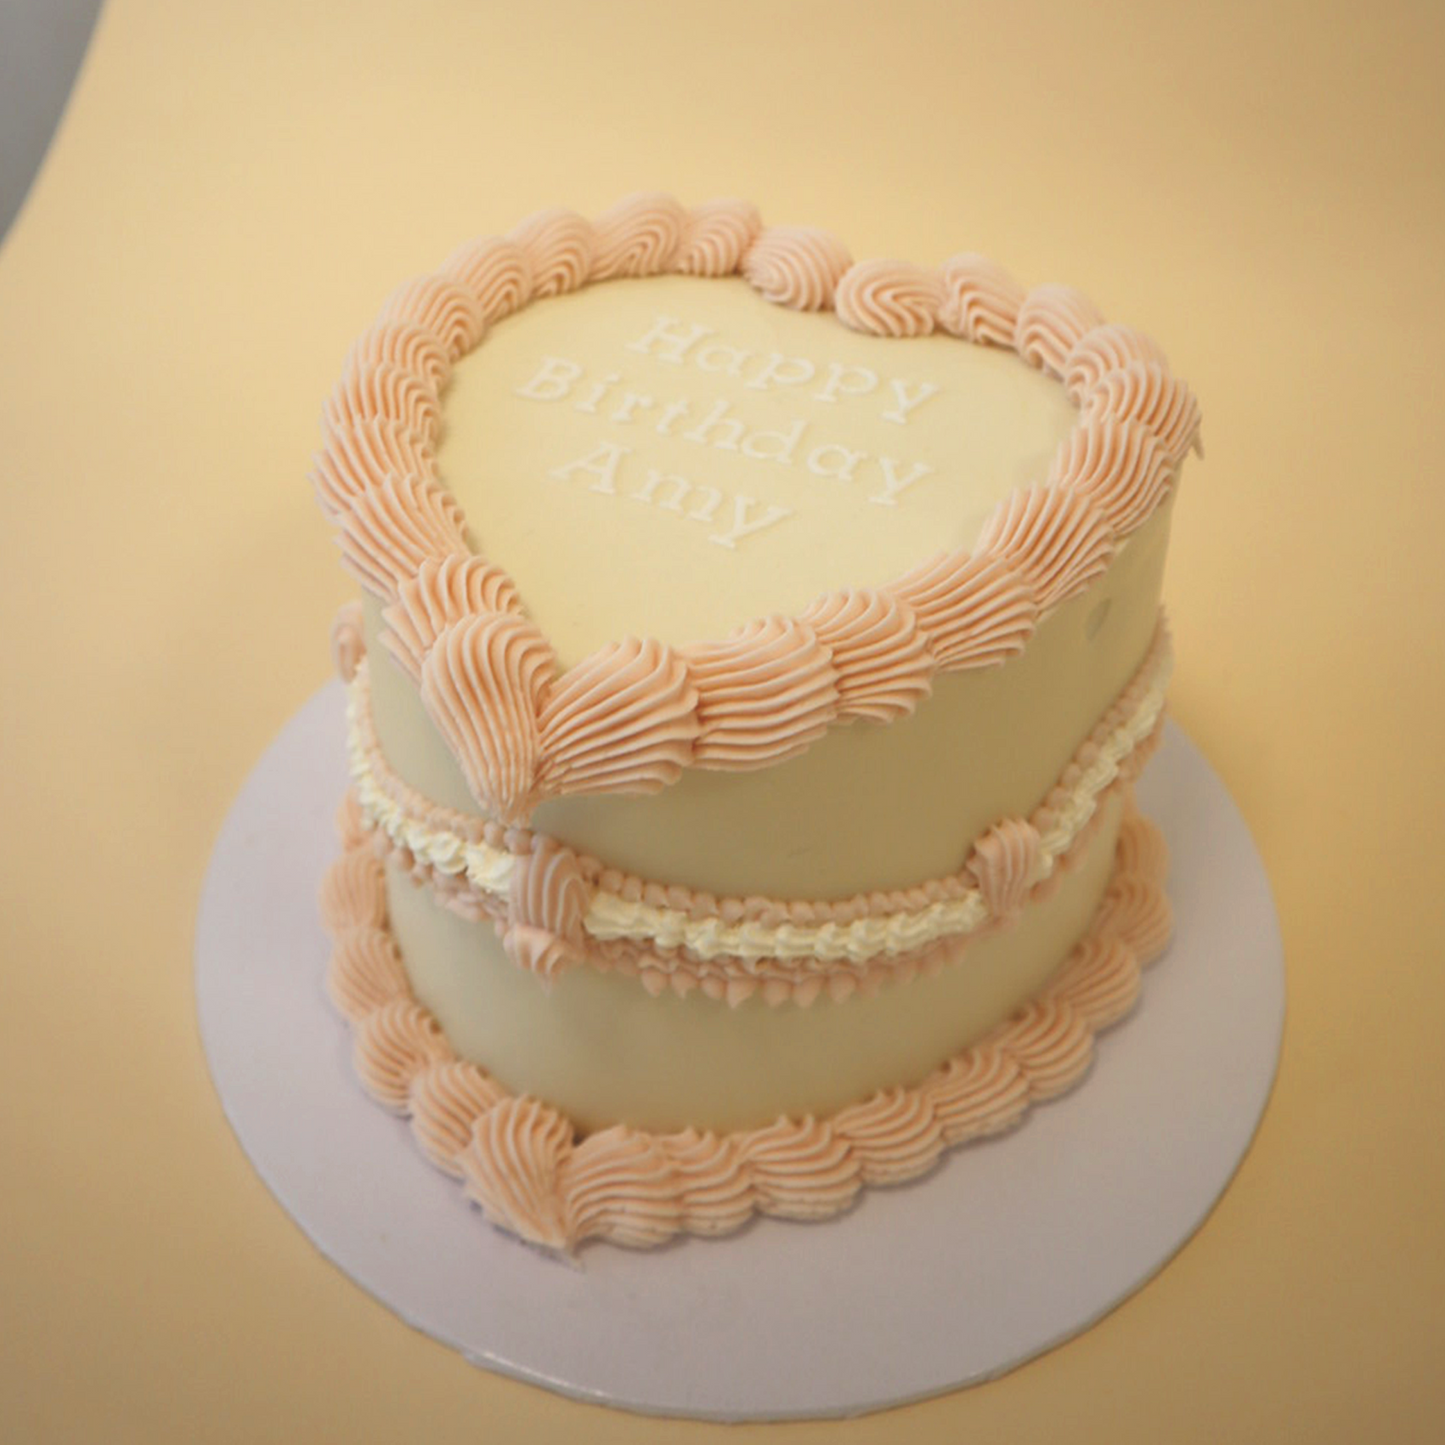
551, 944
376, 475
531, 1173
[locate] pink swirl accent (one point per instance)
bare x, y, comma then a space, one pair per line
715, 237
366, 972
1143, 391
801, 1169
637, 237
623, 720
352, 895
1052, 1046
390, 530
619, 1184
406, 345
975, 611
883, 663
1100, 981
482, 683
980, 300
519, 1160
351, 825
764, 694
395, 370
1050, 324
511, 1169
548, 902
1003, 861
445, 1102
796, 266
348, 644
1118, 466
1105, 349
894, 1136
1137, 911
978, 1093
440, 305
495, 270
393, 1044
558, 246
889, 298
734, 978
1060, 542
385, 390
712, 1181
1142, 849
358, 457
443, 592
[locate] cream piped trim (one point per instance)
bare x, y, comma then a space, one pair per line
376, 478
889, 298
732, 946
532, 1175
981, 300
559, 247
796, 266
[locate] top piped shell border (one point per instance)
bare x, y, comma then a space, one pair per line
634, 714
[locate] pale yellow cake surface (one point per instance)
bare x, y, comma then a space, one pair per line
601, 1049
887, 453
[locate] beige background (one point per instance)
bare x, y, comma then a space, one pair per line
230, 195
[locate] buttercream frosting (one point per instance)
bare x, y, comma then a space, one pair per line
561, 906
981, 301
797, 266
558, 245
526, 1167
377, 478
637, 237
530, 724
889, 298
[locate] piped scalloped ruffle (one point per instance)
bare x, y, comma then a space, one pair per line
524, 1164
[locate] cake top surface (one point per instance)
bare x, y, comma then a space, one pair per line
673, 456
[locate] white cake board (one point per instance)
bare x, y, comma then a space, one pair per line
1008, 1248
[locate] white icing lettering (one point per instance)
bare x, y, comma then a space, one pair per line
718, 356
893, 482
670, 339
553, 381
599, 390
776, 446
846, 381
834, 461
907, 403
673, 411
654, 480
630, 402
706, 509
729, 430
742, 527
780, 370
647, 492
601, 462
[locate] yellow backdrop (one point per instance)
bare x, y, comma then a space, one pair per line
233, 190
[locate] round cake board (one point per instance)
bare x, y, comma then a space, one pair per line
1008, 1248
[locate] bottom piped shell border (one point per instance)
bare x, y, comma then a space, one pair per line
523, 1164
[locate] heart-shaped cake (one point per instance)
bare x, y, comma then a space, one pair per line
755, 653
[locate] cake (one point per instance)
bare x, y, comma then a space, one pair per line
755, 652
